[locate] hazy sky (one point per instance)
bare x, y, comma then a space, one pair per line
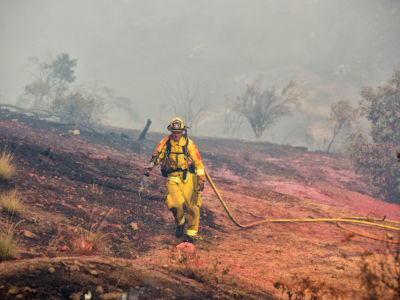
146, 49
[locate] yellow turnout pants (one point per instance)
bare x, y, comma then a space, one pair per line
184, 192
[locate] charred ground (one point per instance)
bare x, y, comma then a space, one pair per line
74, 184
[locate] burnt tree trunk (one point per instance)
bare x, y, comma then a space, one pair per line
142, 135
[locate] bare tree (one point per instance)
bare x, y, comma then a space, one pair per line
342, 117
115, 107
187, 104
233, 122
263, 107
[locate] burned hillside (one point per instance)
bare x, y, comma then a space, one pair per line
79, 183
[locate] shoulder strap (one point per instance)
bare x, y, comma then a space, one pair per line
184, 148
168, 151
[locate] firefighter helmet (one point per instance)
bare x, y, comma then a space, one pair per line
176, 125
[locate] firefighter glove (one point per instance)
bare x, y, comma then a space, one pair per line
200, 183
147, 172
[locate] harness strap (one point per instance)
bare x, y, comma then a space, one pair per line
184, 148
177, 170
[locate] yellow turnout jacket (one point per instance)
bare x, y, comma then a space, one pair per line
178, 159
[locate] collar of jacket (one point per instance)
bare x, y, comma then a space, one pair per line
182, 141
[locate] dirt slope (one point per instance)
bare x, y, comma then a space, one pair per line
75, 186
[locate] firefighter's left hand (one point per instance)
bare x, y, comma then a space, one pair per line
200, 184
147, 172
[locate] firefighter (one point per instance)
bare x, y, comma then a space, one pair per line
181, 163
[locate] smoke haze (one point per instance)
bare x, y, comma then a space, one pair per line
143, 50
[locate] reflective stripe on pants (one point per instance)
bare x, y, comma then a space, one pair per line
191, 232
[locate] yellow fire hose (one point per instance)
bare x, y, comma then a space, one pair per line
356, 220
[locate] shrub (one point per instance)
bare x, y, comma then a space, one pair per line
379, 278
378, 161
11, 202
77, 240
304, 288
96, 189
380, 275
78, 107
7, 169
7, 245
376, 156
94, 240
7, 240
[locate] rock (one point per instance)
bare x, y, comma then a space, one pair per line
389, 236
87, 296
75, 296
76, 262
116, 226
99, 289
65, 248
134, 226
74, 268
81, 244
28, 289
94, 272
51, 270
111, 296
13, 290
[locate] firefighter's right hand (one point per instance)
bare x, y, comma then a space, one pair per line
147, 172
200, 184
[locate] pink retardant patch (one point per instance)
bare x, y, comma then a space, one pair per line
189, 248
185, 253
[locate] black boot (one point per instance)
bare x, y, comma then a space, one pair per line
179, 230
189, 239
